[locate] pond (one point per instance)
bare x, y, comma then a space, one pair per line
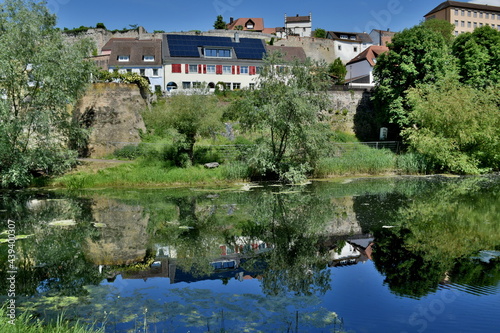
400, 254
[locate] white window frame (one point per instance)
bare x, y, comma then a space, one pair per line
191, 67
227, 69
244, 70
211, 69
123, 58
218, 52
148, 58
157, 72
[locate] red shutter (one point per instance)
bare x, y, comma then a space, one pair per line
252, 70
204, 69
200, 69
218, 69
176, 68
237, 69
233, 69
187, 68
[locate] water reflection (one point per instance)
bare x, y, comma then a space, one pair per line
420, 233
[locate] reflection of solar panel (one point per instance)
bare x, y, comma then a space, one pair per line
187, 46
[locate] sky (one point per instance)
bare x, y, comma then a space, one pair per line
179, 15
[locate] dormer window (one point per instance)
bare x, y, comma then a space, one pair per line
249, 25
353, 37
217, 53
122, 58
148, 58
344, 37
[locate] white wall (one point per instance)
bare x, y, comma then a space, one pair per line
360, 68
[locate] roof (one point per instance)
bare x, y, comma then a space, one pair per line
136, 49
258, 23
386, 33
373, 52
297, 19
361, 37
191, 46
289, 53
466, 5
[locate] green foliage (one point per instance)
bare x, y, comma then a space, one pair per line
320, 33
115, 76
41, 76
478, 55
456, 127
441, 27
417, 55
220, 23
285, 111
100, 26
338, 71
412, 163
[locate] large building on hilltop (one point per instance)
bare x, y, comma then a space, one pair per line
466, 16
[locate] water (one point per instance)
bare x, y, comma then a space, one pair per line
408, 254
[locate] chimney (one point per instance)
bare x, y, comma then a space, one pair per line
236, 37
231, 20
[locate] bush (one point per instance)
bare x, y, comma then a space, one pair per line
413, 164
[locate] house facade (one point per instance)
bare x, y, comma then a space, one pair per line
298, 25
131, 55
348, 45
466, 16
199, 62
360, 68
381, 37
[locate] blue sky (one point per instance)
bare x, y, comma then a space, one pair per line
178, 15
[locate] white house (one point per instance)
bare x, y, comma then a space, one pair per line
136, 56
348, 45
298, 25
360, 68
192, 62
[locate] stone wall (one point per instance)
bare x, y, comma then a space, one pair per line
315, 48
352, 112
111, 111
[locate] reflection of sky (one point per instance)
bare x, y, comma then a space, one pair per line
358, 296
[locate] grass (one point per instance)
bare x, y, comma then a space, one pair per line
144, 172
358, 161
25, 323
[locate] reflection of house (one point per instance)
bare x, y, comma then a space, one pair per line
192, 62
347, 45
360, 69
355, 250
298, 25
381, 37
136, 56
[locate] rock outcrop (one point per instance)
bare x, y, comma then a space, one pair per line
111, 111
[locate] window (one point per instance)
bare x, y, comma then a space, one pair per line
251, 86
462, 24
487, 15
227, 85
344, 37
456, 23
211, 69
193, 68
353, 38
469, 25
236, 86
142, 71
475, 25
129, 70
481, 15
155, 71
480, 24
340, 47
456, 12
244, 70
355, 49
463, 12
456, 33
186, 85
197, 85
227, 70
123, 58
249, 25
469, 13
493, 26
218, 53
475, 14
148, 58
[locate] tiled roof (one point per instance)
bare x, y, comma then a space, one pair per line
369, 54
297, 19
361, 37
289, 53
258, 23
466, 5
136, 49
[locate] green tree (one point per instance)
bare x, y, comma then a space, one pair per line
320, 33
40, 76
220, 23
192, 116
416, 55
478, 55
286, 111
456, 127
100, 26
338, 71
442, 27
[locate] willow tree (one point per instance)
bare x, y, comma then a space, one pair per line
286, 111
40, 76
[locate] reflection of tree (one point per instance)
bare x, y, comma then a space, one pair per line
51, 260
446, 225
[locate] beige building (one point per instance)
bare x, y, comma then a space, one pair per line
466, 16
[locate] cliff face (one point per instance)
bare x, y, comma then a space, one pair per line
111, 111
